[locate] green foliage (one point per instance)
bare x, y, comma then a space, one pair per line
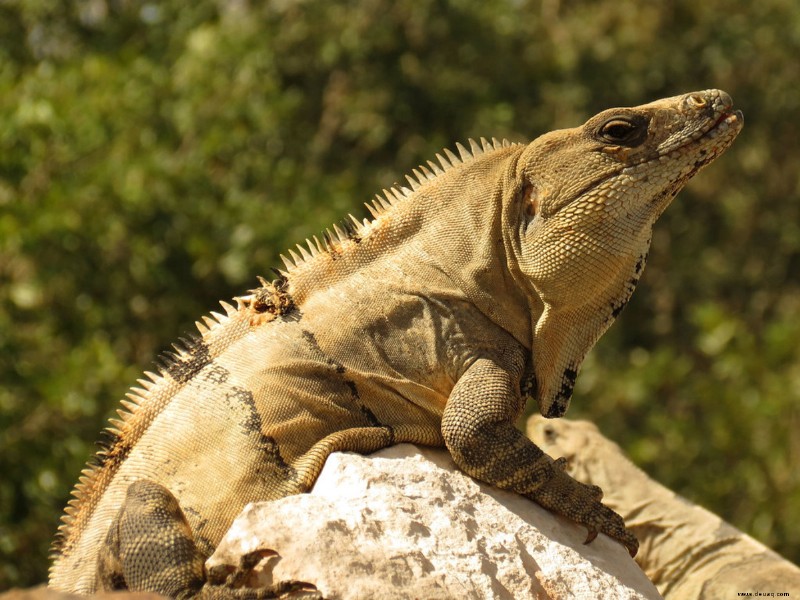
155, 157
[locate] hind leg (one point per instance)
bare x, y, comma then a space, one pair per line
150, 548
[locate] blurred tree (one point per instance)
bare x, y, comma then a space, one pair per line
156, 156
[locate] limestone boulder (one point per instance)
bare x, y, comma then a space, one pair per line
405, 522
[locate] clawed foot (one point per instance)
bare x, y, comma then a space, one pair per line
240, 582
580, 502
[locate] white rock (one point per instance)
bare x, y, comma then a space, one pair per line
406, 523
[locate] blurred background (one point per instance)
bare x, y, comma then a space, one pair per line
156, 156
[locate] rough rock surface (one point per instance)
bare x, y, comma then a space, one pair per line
406, 523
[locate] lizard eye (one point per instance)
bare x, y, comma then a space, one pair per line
617, 130
623, 130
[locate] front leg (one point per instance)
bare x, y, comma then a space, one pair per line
478, 429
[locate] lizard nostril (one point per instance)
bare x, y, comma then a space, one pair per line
696, 101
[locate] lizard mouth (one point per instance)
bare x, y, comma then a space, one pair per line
729, 118
721, 130
706, 145
729, 122
708, 142
730, 115
724, 130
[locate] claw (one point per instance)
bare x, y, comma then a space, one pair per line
590, 537
633, 547
286, 587
249, 561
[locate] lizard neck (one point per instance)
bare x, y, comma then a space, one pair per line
475, 243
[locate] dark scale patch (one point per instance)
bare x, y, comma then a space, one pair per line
273, 297
217, 374
107, 440
641, 262
557, 409
568, 382
198, 525
350, 229
198, 521
114, 449
630, 286
115, 581
311, 339
182, 369
241, 397
351, 385
331, 245
527, 386
370, 416
269, 447
340, 370
561, 401
617, 308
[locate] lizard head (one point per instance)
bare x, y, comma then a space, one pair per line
588, 202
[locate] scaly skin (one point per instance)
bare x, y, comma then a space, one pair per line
482, 285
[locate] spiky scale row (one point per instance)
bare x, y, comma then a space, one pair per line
334, 237
415, 185
454, 160
132, 404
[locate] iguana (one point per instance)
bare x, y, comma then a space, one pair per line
481, 284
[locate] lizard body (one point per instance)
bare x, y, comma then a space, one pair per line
480, 285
